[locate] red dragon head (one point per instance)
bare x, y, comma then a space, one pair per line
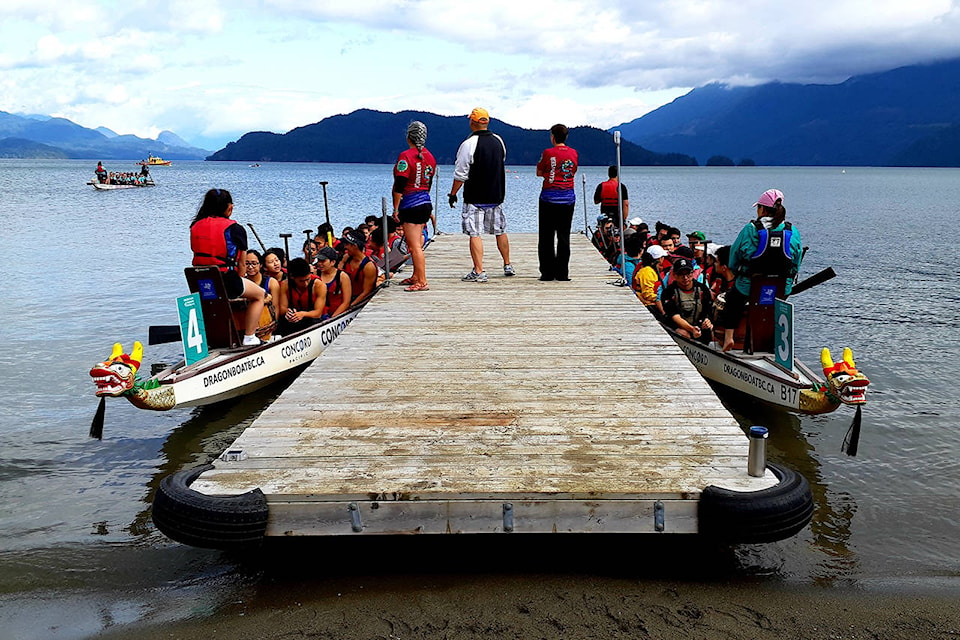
118, 373
845, 382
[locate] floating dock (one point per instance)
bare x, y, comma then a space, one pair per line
514, 406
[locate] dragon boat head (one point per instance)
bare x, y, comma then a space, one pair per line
844, 381
118, 374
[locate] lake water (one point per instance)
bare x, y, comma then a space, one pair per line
78, 552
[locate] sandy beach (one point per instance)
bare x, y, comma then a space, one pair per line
569, 607
546, 587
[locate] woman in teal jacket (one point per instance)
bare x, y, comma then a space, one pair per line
768, 245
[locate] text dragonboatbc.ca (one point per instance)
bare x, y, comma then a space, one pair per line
235, 370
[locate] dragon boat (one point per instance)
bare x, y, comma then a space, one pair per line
753, 366
100, 186
800, 389
228, 371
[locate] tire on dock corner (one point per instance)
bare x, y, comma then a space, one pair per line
212, 522
768, 515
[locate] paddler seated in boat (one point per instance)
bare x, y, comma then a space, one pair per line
361, 269
302, 298
217, 240
253, 272
339, 287
768, 245
687, 304
646, 280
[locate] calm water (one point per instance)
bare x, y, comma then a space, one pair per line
78, 551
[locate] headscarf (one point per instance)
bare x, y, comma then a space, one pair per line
417, 134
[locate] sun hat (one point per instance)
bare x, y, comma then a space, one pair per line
480, 115
769, 198
656, 251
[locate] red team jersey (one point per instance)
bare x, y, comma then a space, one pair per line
558, 166
418, 174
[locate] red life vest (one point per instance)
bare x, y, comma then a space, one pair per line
301, 300
334, 294
211, 244
608, 192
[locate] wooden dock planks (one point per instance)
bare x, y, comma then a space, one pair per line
432, 409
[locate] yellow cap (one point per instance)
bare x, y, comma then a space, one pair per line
480, 115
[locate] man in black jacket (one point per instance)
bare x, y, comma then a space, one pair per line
480, 171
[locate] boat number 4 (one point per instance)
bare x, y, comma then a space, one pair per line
192, 331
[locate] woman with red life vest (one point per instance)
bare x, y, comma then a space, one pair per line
302, 298
558, 196
215, 239
412, 177
339, 287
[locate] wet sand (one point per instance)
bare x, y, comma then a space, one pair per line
546, 587
570, 607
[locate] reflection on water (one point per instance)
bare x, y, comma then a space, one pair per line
788, 444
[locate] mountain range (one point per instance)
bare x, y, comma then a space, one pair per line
377, 137
45, 137
909, 116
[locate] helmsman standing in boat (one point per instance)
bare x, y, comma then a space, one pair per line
768, 245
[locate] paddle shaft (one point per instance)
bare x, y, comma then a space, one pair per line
286, 244
323, 183
257, 236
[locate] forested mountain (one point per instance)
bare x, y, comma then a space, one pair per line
377, 137
905, 117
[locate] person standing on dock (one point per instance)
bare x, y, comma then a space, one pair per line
480, 171
412, 179
558, 197
606, 195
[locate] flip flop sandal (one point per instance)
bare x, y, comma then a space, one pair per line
418, 287
406, 281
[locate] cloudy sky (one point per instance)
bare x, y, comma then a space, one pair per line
211, 70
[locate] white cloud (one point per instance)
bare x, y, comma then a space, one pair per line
212, 68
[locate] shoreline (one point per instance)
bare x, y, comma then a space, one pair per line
567, 606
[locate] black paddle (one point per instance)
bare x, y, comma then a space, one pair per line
164, 333
814, 280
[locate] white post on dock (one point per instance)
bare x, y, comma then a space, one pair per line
386, 240
757, 456
623, 252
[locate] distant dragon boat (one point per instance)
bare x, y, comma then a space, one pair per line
100, 186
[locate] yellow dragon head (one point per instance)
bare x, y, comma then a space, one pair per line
844, 381
117, 375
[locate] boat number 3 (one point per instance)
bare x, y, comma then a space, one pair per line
194, 335
783, 346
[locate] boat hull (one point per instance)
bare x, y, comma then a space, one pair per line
753, 375
232, 374
114, 187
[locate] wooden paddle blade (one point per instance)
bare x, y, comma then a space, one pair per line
162, 334
814, 280
96, 427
